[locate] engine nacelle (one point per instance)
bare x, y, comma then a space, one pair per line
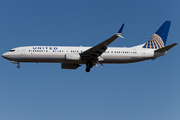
73, 56
69, 66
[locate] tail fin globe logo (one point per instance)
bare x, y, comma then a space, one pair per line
158, 40
155, 42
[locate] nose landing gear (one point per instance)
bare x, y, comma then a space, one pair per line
18, 66
16, 62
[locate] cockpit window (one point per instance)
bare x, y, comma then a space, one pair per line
11, 50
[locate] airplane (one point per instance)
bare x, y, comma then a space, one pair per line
73, 57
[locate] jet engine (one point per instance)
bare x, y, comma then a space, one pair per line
73, 56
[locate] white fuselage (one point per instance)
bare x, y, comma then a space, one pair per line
73, 57
64, 54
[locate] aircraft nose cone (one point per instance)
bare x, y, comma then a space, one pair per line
4, 55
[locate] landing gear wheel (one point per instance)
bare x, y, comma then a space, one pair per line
88, 69
18, 66
89, 65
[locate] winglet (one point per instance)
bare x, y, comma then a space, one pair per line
120, 31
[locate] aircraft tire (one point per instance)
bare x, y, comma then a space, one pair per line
88, 69
18, 66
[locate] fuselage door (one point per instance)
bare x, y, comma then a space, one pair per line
23, 51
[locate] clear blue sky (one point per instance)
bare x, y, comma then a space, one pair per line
148, 90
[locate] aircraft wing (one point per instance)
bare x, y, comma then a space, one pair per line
96, 51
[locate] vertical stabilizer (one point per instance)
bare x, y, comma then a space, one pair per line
158, 39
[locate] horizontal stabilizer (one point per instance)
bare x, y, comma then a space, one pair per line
164, 49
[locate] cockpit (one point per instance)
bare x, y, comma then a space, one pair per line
11, 50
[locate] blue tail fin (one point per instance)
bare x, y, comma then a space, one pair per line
158, 39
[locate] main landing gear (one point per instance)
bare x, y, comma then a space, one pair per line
89, 65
